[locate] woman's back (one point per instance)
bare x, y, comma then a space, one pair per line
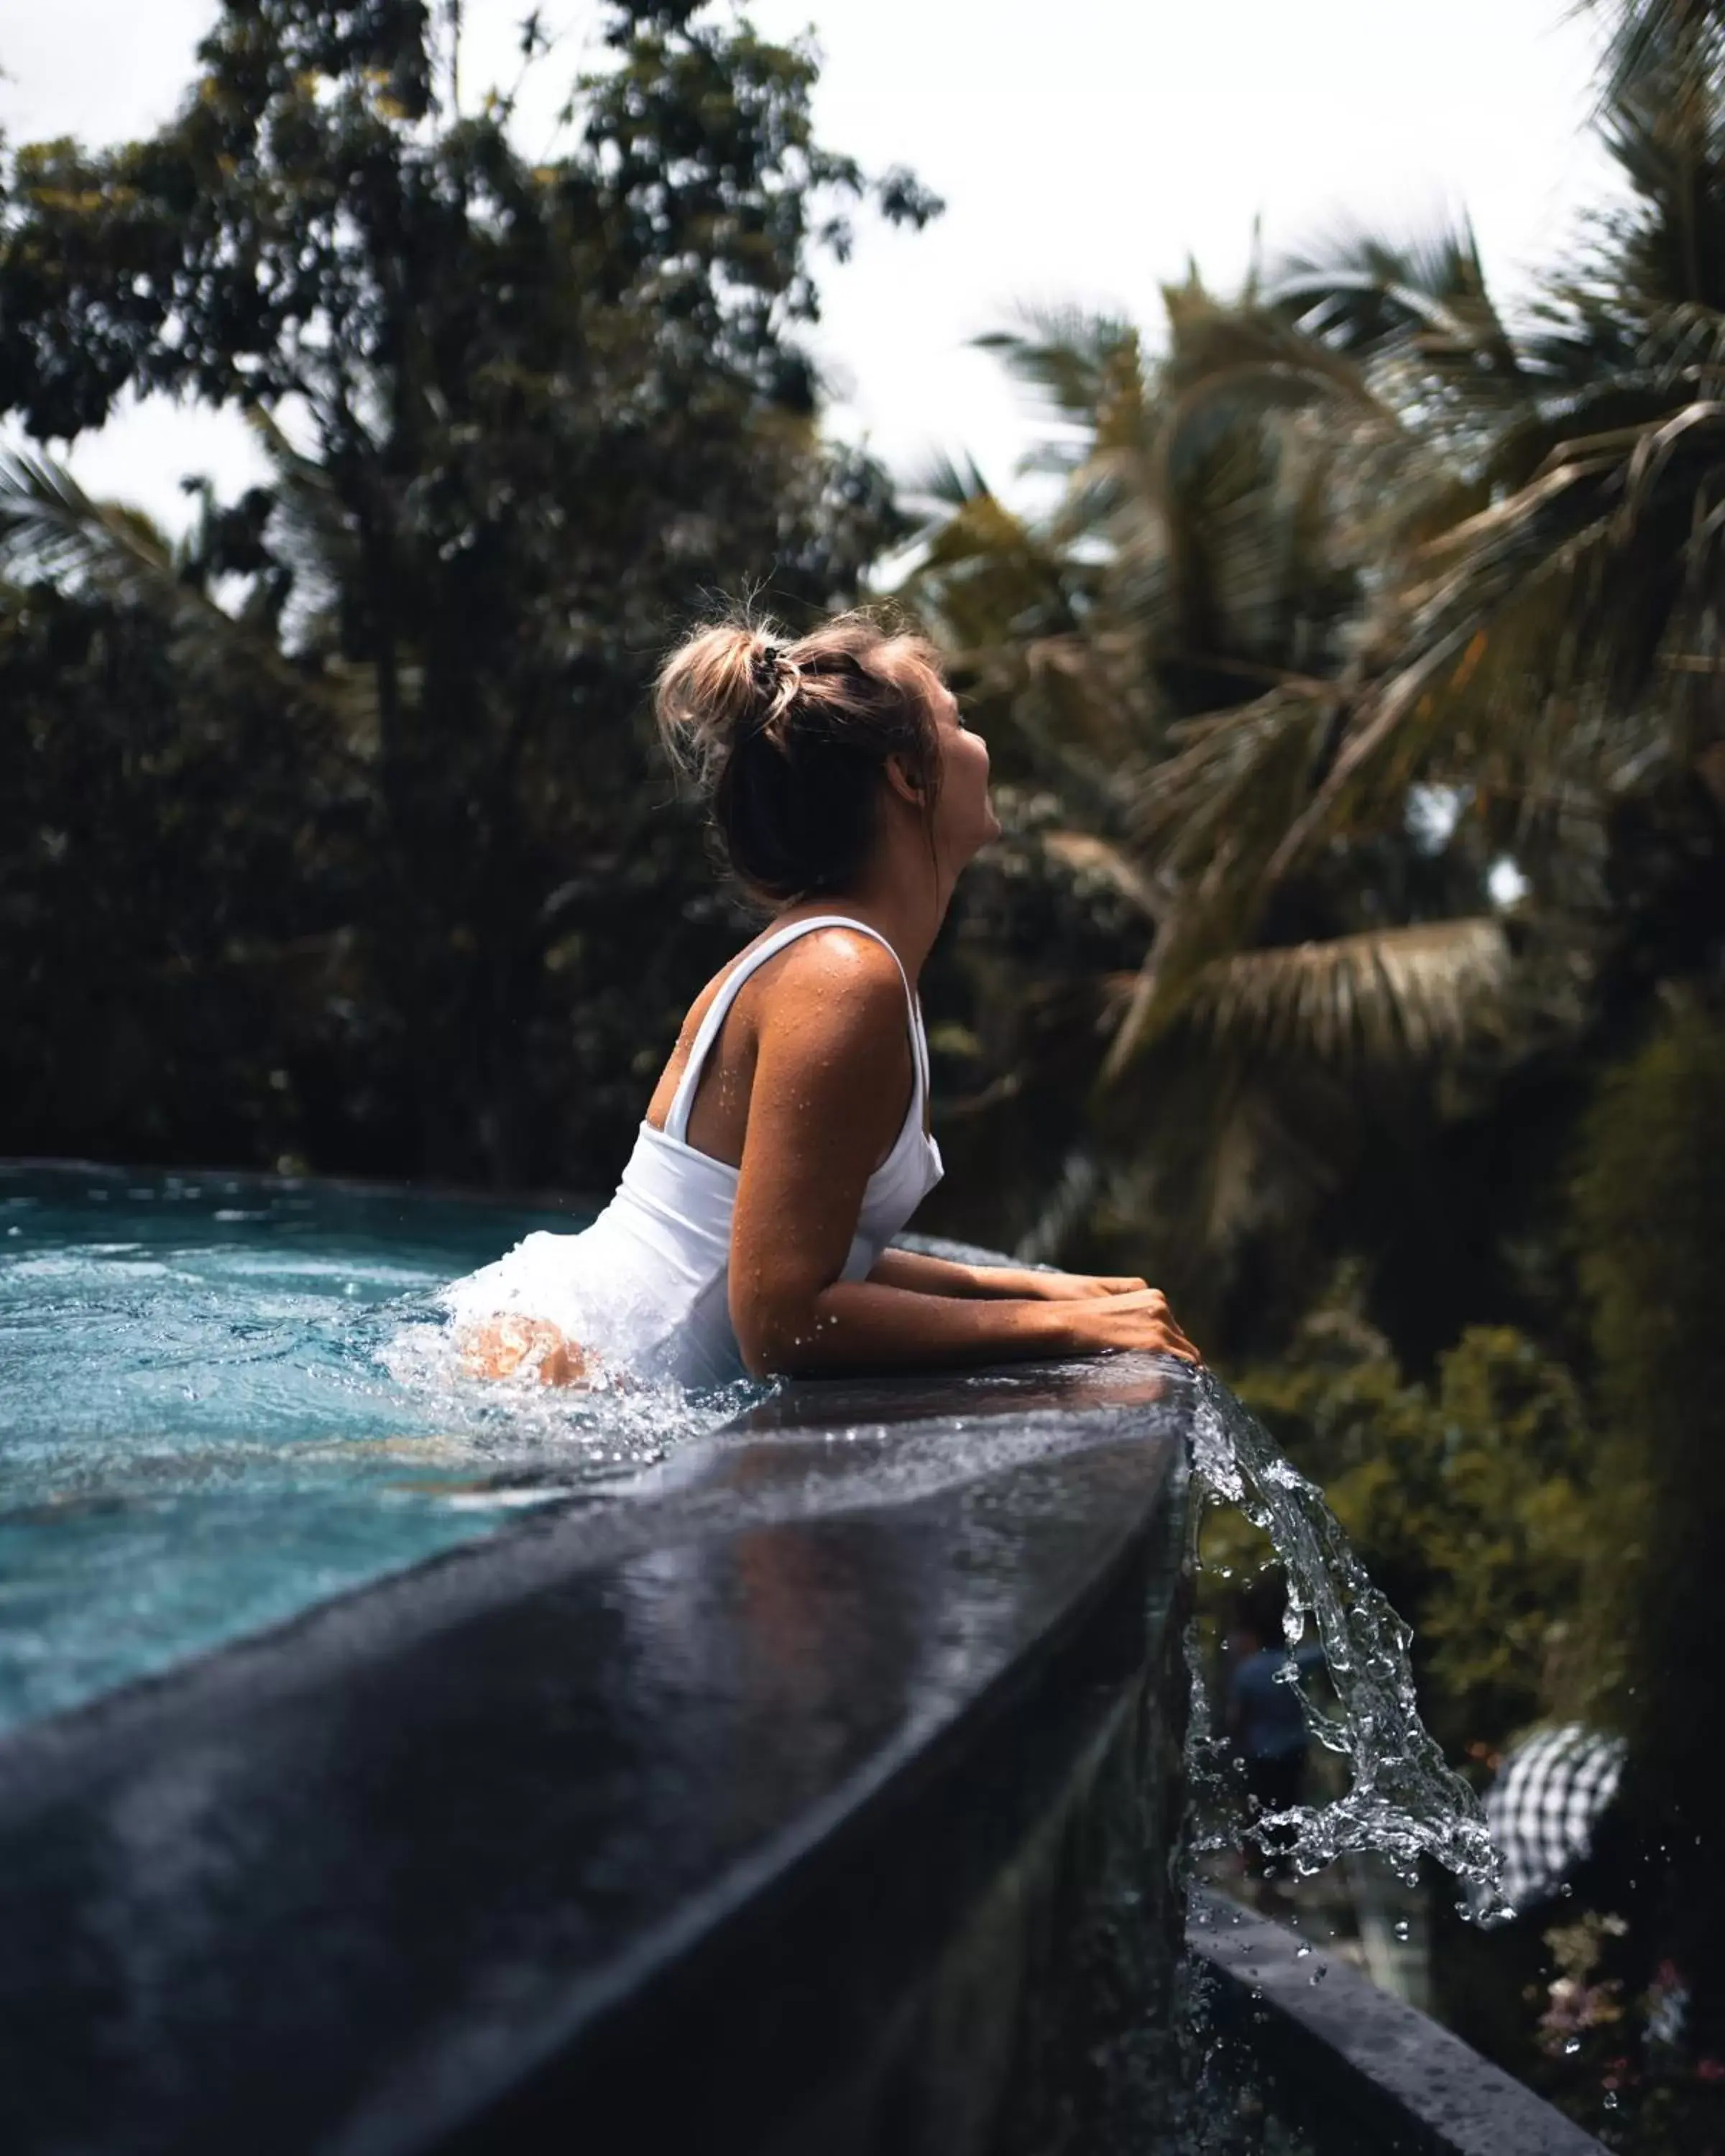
646, 1286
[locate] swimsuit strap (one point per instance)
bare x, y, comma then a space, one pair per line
676, 1123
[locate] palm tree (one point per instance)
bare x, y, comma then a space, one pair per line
1569, 626
1176, 638
1356, 548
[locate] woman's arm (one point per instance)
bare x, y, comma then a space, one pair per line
928, 1276
830, 1071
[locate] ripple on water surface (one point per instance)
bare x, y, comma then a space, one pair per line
223, 1400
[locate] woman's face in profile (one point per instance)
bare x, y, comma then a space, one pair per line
965, 818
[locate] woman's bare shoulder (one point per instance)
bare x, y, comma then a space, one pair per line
839, 988
835, 961
832, 1052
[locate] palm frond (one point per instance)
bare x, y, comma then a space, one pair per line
1091, 855
1387, 996
1643, 33
1362, 292
1236, 777
1662, 121
1260, 354
1075, 363
312, 529
1614, 542
51, 529
948, 483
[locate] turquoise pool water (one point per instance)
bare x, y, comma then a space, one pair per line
225, 1398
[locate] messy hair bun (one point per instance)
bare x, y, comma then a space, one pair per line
786, 739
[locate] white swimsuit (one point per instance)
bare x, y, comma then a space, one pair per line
645, 1287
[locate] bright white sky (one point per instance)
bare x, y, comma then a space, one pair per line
1085, 151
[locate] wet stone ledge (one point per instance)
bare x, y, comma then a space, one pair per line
1367, 2074
817, 1791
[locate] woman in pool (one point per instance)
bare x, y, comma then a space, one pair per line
787, 1141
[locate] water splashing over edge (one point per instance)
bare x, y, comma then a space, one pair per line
1405, 1800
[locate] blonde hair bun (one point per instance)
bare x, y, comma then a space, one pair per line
786, 739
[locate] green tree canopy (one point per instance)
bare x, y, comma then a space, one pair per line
524, 420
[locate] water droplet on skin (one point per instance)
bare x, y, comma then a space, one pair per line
1572, 2045
1402, 1927
1301, 1952
1319, 1973
1610, 2099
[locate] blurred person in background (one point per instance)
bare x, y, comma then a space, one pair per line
1267, 1725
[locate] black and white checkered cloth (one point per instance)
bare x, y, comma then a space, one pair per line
1549, 1792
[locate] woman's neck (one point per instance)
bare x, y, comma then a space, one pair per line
904, 899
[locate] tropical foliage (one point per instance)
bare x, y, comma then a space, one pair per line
521, 420
1368, 649
1650, 1207
1371, 645
1357, 696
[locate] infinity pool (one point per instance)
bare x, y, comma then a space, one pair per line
225, 1398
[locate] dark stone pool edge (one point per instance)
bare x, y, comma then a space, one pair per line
375, 1883
1353, 2055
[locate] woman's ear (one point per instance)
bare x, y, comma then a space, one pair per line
904, 780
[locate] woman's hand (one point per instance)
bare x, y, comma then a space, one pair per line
1137, 1317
